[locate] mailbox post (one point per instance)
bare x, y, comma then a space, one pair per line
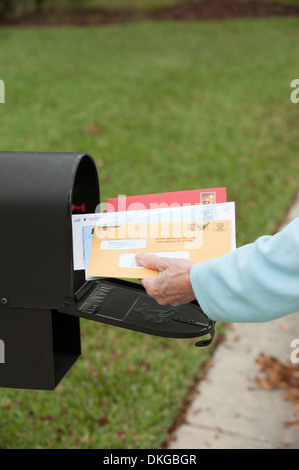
42, 297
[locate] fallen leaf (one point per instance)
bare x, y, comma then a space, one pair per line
277, 375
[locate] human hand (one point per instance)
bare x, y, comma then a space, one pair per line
172, 284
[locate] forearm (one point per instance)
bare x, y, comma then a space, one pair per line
255, 283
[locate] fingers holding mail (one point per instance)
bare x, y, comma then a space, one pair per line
172, 284
156, 262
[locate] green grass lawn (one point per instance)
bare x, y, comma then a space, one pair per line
161, 107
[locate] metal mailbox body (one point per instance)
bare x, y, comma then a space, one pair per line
37, 191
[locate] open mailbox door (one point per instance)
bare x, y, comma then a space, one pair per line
127, 305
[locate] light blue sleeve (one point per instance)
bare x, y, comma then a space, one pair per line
257, 282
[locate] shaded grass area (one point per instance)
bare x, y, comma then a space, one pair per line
161, 107
100, 12
138, 4
76, 13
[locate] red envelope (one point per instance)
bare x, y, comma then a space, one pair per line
164, 200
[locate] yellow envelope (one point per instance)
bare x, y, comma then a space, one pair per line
114, 246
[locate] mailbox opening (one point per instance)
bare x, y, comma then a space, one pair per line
85, 193
84, 199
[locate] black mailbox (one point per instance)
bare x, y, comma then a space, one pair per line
42, 297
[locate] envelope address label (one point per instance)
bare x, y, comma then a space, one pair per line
123, 244
128, 260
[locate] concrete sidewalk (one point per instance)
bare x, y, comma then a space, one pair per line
229, 410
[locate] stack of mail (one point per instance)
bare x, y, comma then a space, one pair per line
105, 244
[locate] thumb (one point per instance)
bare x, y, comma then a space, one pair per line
152, 261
